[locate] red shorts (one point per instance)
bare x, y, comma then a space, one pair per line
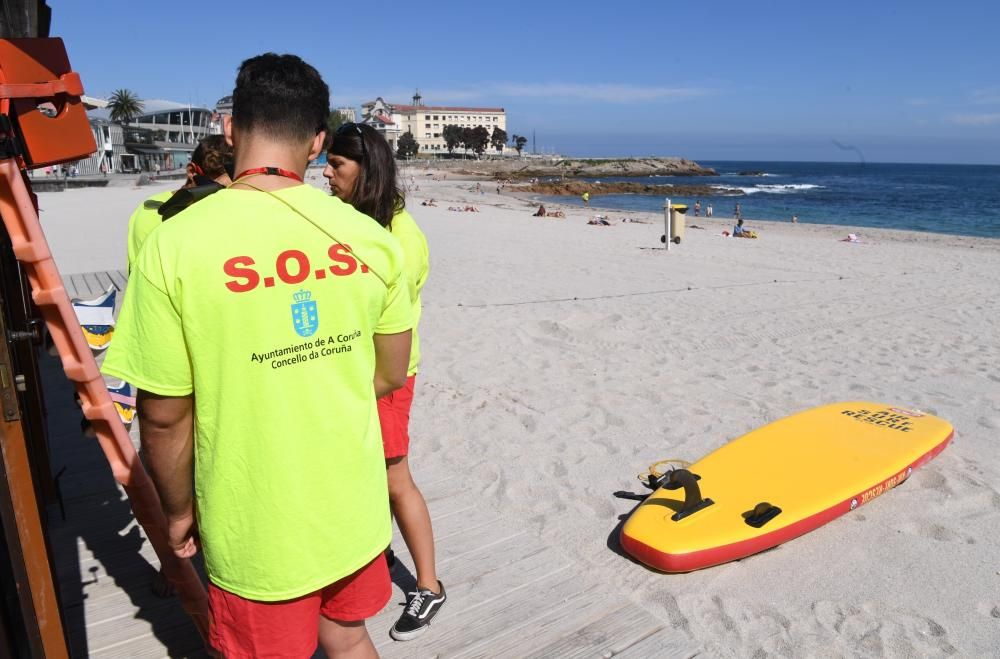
394, 417
247, 628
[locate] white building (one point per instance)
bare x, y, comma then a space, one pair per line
348, 114
176, 123
426, 122
176, 128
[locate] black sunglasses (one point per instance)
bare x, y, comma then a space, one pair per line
350, 127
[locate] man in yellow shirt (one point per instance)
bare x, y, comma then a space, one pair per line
260, 325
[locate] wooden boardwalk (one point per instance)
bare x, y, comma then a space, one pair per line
509, 595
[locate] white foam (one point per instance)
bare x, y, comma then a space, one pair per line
770, 189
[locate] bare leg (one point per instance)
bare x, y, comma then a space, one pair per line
410, 511
345, 640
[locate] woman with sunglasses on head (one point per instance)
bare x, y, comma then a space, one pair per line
362, 172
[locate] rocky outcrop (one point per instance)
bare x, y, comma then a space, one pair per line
576, 188
577, 168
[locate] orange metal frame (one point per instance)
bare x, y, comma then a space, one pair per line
35, 71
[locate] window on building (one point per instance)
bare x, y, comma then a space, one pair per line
427, 125
437, 135
435, 117
427, 134
427, 116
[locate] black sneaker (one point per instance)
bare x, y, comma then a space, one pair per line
420, 609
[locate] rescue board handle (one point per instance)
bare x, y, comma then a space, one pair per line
693, 502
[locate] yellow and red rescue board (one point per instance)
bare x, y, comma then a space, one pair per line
780, 481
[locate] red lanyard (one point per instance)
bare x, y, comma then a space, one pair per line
270, 171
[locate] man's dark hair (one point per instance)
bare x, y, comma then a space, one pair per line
282, 96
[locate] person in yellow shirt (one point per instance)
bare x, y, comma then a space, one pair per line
260, 325
362, 172
210, 163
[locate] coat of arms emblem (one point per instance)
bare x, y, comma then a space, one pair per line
305, 316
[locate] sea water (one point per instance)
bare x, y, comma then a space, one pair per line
953, 199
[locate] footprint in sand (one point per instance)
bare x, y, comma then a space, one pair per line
528, 422
990, 422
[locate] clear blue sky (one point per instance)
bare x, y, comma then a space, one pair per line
901, 81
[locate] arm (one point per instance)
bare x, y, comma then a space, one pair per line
392, 358
167, 439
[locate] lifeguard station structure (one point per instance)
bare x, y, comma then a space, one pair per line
35, 73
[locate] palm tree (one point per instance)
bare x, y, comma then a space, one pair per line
125, 106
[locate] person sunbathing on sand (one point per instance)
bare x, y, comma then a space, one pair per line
599, 221
428, 202
555, 214
740, 232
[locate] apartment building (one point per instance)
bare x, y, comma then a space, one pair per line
426, 122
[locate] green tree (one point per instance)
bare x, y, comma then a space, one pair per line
452, 135
407, 146
335, 121
498, 138
125, 105
519, 141
480, 140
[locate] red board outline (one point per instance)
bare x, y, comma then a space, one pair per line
717, 555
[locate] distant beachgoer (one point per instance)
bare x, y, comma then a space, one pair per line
498, 189
428, 202
795, 219
540, 212
740, 232
586, 199
737, 212
697, 208
708, 211
479, 188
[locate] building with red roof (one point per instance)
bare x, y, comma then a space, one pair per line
426, 122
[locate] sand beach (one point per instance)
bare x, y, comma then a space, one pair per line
561, 359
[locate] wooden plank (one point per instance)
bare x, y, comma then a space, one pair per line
118, 278
449, 547
511, 618
104, 277
95, 283
605, 637
477, 595
666, 643
139, 637
78, 287
461, 574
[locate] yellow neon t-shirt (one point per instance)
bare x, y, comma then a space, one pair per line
270, 322
417, 266
143, 220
